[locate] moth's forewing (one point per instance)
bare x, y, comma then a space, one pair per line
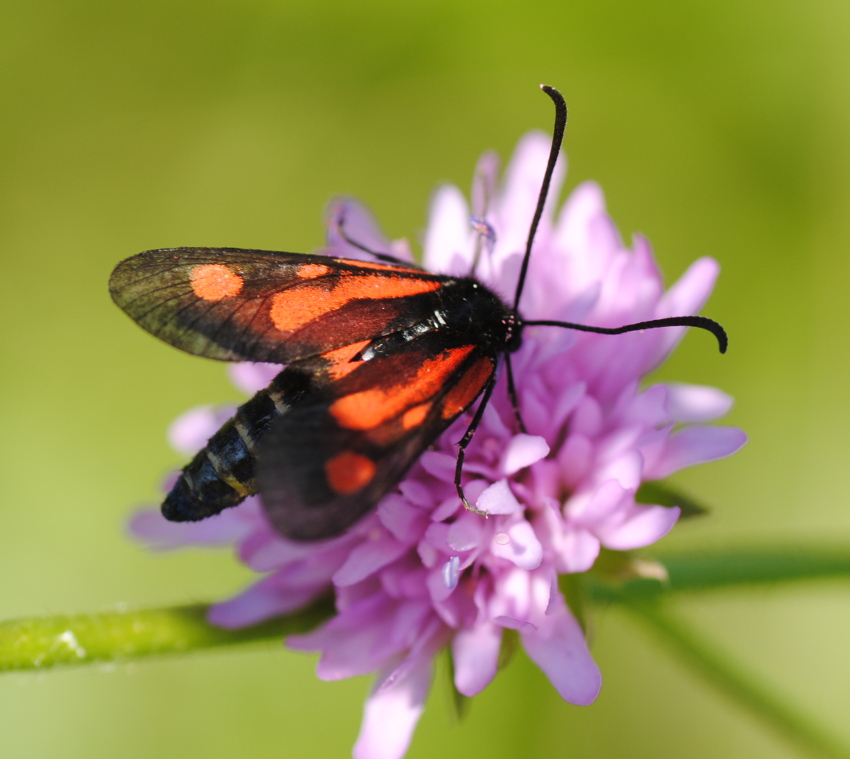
253, 305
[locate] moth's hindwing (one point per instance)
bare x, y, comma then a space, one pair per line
323, 465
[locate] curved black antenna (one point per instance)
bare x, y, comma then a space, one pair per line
557, 139
702, 322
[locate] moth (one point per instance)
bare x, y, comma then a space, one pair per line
380, 358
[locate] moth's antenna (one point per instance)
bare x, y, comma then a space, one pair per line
557, 139
702, 322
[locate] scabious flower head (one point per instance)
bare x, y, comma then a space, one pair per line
422, 573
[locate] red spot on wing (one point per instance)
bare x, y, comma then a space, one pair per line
294, 308
348, 472
215, 282
467, 390
339, 360
413, 417
369, 408
311, 271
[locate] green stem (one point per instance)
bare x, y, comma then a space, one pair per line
717, 668
129, 635
124, 635
726, 569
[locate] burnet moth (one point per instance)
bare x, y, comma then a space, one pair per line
381, 357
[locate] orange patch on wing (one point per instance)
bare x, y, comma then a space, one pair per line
215, 282
467, 390
415, 416
294, 308
348, 472
369, 408
339, 360
311, 271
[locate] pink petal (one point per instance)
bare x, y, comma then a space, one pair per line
519, 545
404, 521
250, 378
647, 409
190, 431
161, 535
264, 550
439, 584
451, 572
598, 504
576, 550
438, 464
588, 236
475, 652
359, 225
484, 183
448, 233
688, 295
522, 451
368, 557
498, 499
391, 714
417, 493
446, 509
575, 459
696, 403
587, 418
560, 650
363, 637
520, 597
695, 445
466, 532
263, 600
638, 527
626, 469
515, 206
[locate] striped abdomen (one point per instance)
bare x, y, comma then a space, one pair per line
223, 474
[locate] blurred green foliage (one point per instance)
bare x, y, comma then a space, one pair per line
716, 128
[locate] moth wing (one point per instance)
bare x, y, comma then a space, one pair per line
324, 465
252, 305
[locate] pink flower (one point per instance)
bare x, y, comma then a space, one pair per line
421, 573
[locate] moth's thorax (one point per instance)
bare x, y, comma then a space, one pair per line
469, 308
466, 311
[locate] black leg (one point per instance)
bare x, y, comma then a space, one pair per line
465, 440
513, 395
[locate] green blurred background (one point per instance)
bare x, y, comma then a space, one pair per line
716, 128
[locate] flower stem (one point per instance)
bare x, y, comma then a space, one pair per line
717, 668
129, 635
725, 569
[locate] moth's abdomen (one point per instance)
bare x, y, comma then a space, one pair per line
220, 476
223, 474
